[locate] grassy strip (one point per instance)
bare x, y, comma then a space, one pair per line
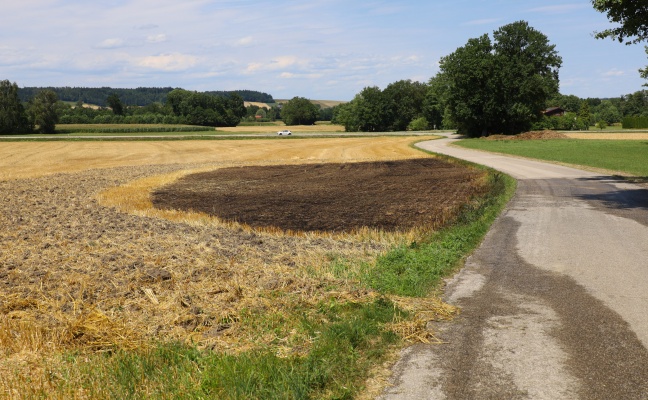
135, 129
349, 340
627, 156
415, 269
345, 338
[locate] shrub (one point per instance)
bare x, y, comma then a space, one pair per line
418, 124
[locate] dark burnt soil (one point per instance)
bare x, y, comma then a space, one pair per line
388, 195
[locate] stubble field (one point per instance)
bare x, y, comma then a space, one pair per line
87, 263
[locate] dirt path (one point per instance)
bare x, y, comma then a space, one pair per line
554, 301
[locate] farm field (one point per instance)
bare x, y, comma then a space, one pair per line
27, 159
279, 126
92, 275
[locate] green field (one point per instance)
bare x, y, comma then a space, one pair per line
627, 156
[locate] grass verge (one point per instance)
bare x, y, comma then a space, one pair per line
337, 340
625, 156
416, 268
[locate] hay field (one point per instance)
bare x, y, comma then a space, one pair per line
30, 160
608, 135
323, 128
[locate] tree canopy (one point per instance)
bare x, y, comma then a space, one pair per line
631, 15
43, 112
299, 111
13, 118
203, 109
500, 86
391, 109
141, 96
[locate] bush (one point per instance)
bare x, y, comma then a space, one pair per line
418, 124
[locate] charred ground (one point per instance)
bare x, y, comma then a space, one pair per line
386, 195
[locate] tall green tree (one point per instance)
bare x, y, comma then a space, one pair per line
13, 118
584, 112
501, 86
115, 103
405, 103
43, 111
469, 86
299, 111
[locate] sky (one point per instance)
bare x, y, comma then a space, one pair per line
318, 49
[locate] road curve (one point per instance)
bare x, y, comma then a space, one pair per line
554, 303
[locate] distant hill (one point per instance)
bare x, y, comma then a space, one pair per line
133, 97
321, 103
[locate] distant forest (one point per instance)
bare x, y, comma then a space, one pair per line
132, 97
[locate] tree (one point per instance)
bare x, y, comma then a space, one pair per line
418, 124
299, 111
115, 103
43, 111
569, 103
468, 86
405, 101
608, 112
204, 109
584, 112
13, 118
631, 15
500, 86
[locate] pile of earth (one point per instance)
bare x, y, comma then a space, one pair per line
386, 195
532, 135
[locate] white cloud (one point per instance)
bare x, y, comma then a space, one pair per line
168, 62
277, 63
613, 72
243, 42
290, 75
160, 38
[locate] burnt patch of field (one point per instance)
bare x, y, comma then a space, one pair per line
385, 195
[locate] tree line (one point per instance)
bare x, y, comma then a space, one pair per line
499, 84
141, 96
44, 110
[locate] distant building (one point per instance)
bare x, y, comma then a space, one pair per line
554, 112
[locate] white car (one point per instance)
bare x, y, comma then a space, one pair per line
284, 132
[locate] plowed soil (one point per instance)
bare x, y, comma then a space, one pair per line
387, 195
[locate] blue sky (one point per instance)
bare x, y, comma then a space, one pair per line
319, 49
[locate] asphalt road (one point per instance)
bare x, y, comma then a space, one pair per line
554, 303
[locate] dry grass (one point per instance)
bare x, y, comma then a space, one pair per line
27, 160
87, 264
607, 136
323, 128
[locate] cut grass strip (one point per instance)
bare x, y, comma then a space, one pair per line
417, 268
627, 156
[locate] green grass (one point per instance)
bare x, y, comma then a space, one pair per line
350, 339
416, 269
629, 156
